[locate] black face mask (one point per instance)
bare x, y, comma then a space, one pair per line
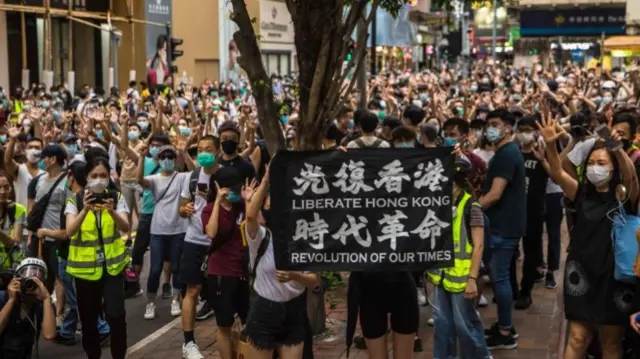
229, 147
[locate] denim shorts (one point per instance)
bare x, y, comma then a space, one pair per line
271, 324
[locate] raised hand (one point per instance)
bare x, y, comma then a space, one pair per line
548, 129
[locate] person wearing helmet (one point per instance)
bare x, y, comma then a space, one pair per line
26, 310
456, 287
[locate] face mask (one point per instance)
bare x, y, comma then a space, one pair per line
216, 108
493, 134
234, 197
516, 98
485, 81
606, 100
351, 124
478, 133
133, 135
45, 104
143, 125
99, 134
167, 164
598, 175
97, 185
459, 111
405, 145
229, 147
525, 138
206, 159
33, 155
238, 101
72, 149
26, 123
284, 120
41, 165
154, 151
450, 141
185, 131
424, 97
26, 108
473, 89
381, 115
3, 138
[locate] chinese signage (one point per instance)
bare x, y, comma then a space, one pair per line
275, 22
590, 21
362, 210
156, 11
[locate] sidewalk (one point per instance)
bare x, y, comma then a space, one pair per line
539, 328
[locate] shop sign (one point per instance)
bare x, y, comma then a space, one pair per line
157, 11
275, 22
483, 23
593, 21
95, 5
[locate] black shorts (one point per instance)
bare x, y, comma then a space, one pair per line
379, 298
270, 324
193, 257
143, 236
229, 296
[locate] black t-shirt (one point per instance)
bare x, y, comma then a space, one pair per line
244, 167
507, 216
18, 337
339, 136
536, 179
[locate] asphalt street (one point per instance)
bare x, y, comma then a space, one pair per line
137, 327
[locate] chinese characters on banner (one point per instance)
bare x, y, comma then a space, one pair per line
362, 210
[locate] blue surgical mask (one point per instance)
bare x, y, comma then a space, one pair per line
351, 124
284, 119
143, 125
450, 141
234, 197
99, 134
168, 164
516, 98
473, 89
55, 115
3, 138
493, 134
72, 149
185, 131
405, 145
133, 135
45, 104
26, 108
154, 151
424, 97
478, 133
606, 100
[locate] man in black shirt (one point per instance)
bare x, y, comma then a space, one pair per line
229, 138
536, 177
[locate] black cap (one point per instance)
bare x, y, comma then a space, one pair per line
229, 125
54, 151
229, 177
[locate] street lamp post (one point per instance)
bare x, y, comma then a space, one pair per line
494, 32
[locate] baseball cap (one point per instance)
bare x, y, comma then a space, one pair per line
168, 148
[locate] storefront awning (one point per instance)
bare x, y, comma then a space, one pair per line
623, 43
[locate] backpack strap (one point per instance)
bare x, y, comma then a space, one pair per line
261, 251
80, 201
193, 182
376, 143
360, 143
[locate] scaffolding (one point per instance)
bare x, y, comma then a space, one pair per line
78, 16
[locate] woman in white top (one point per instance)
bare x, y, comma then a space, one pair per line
277, 313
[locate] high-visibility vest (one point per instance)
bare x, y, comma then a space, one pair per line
10, 256
454, 279
18, 106
84, 261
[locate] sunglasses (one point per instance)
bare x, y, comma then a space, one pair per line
168, 156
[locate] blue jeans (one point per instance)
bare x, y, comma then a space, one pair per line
456, 318
70, 322
164, 246
502, 252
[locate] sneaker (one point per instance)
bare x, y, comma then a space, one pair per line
166, 291
205, 312
422, 297
494, 330
175, 308
524, 302
150, 311
483, 302
191, 351
105, 339
59, 339
430, 322
550, 281
497, 341
540, 277
360, 342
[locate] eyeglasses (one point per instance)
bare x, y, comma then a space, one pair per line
167, 157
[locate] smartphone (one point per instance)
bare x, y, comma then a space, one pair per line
604, 133
102, 197
202, 187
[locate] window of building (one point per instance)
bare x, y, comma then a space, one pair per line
278, 63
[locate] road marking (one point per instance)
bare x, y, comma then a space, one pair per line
153, 336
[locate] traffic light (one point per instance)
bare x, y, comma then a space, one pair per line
175, 52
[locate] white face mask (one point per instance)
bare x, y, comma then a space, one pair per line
598, 175
33, 155
97, 185
525, 138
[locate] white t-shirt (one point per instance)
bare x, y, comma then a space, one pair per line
166, 220
368, 141
22, 183
121, 207
266, 283
195, 231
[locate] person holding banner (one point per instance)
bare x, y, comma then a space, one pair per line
456, 288
277, 313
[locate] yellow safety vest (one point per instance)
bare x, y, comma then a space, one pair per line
84, 248
454, 279
18, 106
14, 254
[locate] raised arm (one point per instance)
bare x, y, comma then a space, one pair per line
550, 132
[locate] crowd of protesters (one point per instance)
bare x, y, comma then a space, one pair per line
186, 169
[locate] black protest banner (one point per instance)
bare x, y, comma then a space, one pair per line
362, 210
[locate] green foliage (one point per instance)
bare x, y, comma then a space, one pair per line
391, 6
